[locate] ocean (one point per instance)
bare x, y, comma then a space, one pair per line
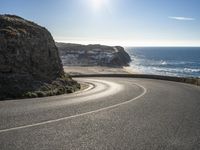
170, 61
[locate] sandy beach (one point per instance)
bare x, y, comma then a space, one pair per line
72, 70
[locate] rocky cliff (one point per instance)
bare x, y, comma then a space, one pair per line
93, 55
27, 48
28, 56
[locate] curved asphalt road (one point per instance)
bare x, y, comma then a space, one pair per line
113, 113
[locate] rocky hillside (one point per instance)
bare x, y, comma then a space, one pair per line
93, 55
28, 57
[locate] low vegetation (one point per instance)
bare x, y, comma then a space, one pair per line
26, 87
59, 86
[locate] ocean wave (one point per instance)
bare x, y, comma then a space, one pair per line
162, 62
170, 61
191, 70
177, 70
168, 71
153, 62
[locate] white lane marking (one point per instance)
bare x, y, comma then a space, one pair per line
78, 115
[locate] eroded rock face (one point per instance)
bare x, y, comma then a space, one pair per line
93, 55
28, 57
27, 48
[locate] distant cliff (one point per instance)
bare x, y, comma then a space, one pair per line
28, 57
93, 55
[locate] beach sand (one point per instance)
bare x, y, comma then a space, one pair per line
73, 70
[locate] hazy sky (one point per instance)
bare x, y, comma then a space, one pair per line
114, 22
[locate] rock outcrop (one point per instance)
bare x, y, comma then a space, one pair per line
93, 55
27, 48
28, 57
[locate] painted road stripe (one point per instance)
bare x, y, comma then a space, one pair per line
78, 115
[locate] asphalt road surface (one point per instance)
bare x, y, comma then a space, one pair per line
113, 113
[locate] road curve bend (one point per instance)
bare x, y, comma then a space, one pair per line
113, 113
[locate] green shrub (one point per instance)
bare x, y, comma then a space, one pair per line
40, 93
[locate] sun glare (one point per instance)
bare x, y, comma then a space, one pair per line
97, 4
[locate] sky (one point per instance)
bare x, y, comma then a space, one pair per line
114, 22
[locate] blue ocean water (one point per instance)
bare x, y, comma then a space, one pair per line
171, 61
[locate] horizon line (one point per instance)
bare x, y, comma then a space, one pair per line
127, 45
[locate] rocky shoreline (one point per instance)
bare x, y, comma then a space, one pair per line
93, 55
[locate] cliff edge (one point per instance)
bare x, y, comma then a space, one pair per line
93, 55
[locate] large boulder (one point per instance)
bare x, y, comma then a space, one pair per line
27, 48
28, 57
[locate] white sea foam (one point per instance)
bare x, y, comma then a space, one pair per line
191, 70
162, 67
166, 61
